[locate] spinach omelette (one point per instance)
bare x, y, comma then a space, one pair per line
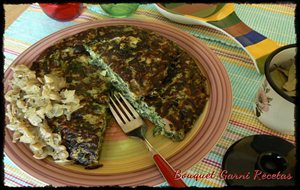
160, 79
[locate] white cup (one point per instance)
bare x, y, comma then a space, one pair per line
272, 106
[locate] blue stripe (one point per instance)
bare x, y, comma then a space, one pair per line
250, 38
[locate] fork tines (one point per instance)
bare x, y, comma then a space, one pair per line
123, 114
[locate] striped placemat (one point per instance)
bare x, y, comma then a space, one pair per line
33, 25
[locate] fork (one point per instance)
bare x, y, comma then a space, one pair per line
133, 125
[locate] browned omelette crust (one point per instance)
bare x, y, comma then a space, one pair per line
83, 134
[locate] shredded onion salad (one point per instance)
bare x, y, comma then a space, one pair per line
30, 101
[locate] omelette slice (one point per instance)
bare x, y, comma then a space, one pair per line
83, 133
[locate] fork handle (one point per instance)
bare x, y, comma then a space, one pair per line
168, 172
165, 168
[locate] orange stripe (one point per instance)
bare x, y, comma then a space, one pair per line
239, 29
193, 7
